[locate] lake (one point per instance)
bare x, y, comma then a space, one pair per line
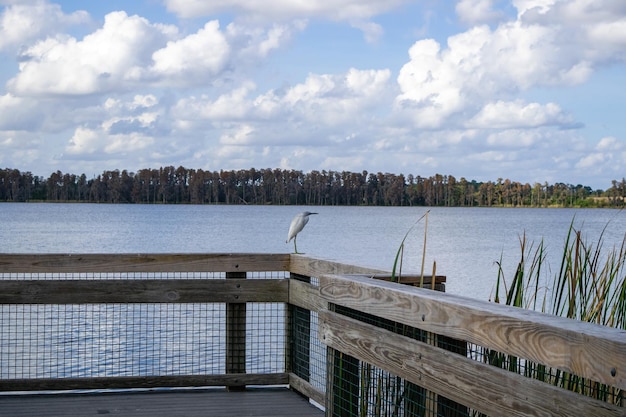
465, 243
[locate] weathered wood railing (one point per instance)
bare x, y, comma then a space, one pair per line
228, 280
590, 351
334, 297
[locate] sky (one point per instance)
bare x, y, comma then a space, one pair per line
528, 90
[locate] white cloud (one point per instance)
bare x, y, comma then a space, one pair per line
517, 114
239, 135
129, 51
593, 160
326, 100
514, 138
371, 31
285, 9
608, 157
477, 11
430, 84
610, 144
254, 42
234, 105
534, 6
84, 141
230, 94
546, 46
357, 12
127, 143
22, 23
19, 113
108, 59
202, 54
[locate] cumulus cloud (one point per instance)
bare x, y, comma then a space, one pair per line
24, 22
106, 60
327, 100
548, 45
87, 141
204, 52
357, 12
129, 51
19, 113
518, 114
608, 157
214, 95
84, 141
256, 42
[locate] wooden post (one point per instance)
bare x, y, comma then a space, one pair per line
236, 336
444, 406
298, 354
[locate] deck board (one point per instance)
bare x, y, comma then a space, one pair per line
265, 402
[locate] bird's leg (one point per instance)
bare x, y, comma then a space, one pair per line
295, 246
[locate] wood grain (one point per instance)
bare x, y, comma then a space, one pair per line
159, 262
143, 291
305, 388
44, 384
314, 267
305, 295
485, 388
585, 349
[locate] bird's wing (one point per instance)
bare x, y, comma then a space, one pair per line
293, 228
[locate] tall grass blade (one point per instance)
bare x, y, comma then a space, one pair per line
400, 252
590, 286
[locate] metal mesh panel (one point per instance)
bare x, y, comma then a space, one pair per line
124, 275
362, 389
301, 343
265, 344
135, 339
365, 390
94, 340
308, 360
318, 356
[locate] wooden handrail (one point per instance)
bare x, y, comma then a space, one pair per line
584, 349
145, 262
482, 387
74, 291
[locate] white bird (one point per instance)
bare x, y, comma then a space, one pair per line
297, 224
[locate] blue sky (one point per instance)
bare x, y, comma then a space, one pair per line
529, 90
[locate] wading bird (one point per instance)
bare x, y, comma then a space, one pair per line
297, 224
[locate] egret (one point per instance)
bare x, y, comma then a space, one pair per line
297, 224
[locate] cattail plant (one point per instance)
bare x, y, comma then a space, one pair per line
590, 286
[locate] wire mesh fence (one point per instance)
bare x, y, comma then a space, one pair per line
308, 353
87, 340
97, 340
362, 389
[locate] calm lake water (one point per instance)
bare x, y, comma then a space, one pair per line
465, 243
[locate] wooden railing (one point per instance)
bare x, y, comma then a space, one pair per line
333, 294
590, 351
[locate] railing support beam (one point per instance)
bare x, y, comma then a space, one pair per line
236, 336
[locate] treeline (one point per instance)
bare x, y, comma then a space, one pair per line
170, 185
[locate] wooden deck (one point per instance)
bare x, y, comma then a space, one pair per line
262, 402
